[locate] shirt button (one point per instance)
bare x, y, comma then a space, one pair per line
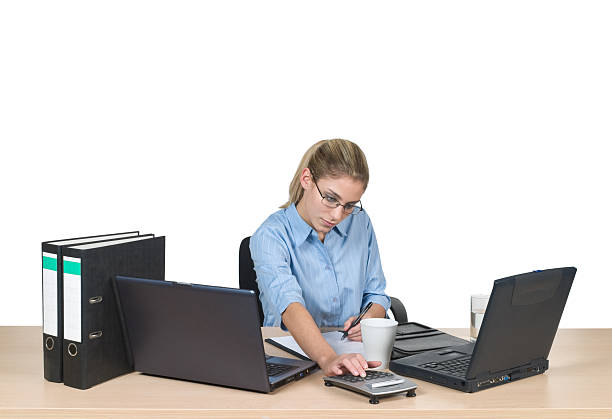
335, 299
328, 268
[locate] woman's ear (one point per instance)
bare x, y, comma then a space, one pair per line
306, 178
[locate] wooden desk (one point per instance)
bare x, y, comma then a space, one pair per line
576, 385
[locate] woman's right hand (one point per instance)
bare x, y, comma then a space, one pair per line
354, 364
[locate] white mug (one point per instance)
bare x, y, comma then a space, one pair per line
378, 337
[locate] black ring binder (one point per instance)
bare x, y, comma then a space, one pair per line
94, 349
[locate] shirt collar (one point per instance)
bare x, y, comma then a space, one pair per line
342, 226
301, 229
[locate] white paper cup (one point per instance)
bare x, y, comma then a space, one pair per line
378, 336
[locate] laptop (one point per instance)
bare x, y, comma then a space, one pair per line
200, 333
515, 337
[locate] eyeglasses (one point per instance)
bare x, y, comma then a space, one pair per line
331, 202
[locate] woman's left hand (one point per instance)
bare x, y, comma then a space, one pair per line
355, 333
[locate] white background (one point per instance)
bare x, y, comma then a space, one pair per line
486, 126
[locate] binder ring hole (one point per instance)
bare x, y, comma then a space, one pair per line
95, 300
49, 343
95, 335
72, 349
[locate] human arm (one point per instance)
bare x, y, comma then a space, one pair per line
306, 333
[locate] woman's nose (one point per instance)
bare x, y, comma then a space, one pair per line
338, 213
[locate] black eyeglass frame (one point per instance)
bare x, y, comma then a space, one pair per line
324, 201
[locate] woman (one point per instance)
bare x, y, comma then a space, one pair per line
317, 260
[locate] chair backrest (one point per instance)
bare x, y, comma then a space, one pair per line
247, 277
398, 310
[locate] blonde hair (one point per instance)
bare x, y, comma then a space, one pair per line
330, 158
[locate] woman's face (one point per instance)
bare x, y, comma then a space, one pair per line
320, 217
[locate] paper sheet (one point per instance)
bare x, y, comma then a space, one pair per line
333, 338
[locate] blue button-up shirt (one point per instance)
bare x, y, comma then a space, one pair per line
333, 280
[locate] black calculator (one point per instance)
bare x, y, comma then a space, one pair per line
374, 385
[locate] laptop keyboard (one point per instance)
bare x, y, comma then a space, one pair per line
457, 367
370, 375
277, 369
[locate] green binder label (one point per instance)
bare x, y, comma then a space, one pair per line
72, 268
50, 263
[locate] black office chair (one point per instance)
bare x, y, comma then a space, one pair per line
247, 279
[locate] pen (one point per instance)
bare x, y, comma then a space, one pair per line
357, 320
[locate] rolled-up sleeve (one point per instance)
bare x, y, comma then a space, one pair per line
375, 282
278, 287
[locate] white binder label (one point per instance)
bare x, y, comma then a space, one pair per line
72, 299
49, 274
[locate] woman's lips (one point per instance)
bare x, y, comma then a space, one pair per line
327, 223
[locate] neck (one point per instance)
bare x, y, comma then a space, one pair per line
300, 209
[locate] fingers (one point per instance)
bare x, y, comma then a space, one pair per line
354, 364
355, 333
362, 361
374, 364
347, 323
346, 363
361, 364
